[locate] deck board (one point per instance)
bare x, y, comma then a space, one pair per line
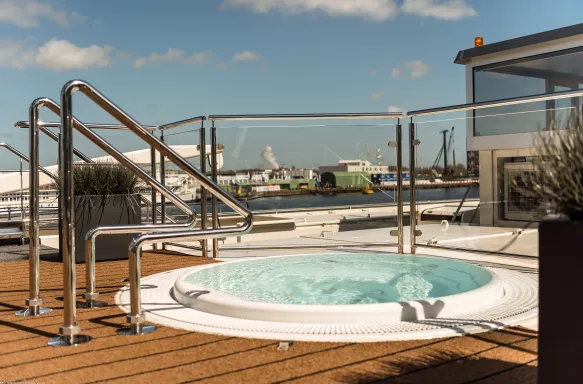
175, 356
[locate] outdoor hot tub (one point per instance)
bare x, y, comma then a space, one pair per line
339, 288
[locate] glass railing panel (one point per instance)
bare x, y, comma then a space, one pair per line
316, 183
489, 205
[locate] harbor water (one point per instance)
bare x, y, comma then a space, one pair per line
344, 199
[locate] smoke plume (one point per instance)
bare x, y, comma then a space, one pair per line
269, 161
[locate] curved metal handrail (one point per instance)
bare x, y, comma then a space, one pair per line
92, 235
70, 328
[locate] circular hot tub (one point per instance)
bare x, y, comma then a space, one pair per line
339, 288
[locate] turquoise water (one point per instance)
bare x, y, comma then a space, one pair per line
341, 279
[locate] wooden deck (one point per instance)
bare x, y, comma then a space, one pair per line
176, 356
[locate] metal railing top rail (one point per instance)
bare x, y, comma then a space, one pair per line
308, 116
181, 123
23, 157
26, 125
497, 103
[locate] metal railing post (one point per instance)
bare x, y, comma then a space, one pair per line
70, 330
400, 218
154, 194
203, 193
34, 301
214, 201
22, 200
163, 181
412, 198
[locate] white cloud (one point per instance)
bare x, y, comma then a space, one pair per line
412, 69
173, 55
246, 56
56, 55
377, 10
222, 65
29, 13
393, 108
372, 72
377, 95
439, 9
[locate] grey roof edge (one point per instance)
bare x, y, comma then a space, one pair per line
465, 56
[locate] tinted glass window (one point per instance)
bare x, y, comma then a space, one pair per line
561, 71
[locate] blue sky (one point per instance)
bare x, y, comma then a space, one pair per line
164, 61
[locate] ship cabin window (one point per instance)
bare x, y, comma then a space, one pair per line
551, 72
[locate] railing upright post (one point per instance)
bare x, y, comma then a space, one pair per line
154, 194
400, 218
214, 201
70, 329
21, 198
412, 198
163, 181
203, 192
34, 301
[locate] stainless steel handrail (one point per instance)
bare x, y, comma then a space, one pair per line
26, 124
136, 317
34, 301
497, 103
91, 237
70, 328
308, 116
23, 157
181, 123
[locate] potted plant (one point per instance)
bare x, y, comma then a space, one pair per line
558, 180
105, 194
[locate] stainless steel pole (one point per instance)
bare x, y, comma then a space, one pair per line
400, 242
203, 192
214, 201
154, 194
163, 181
34, 301
412, 197
70, 329
21, 200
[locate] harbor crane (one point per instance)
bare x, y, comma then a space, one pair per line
443, 152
